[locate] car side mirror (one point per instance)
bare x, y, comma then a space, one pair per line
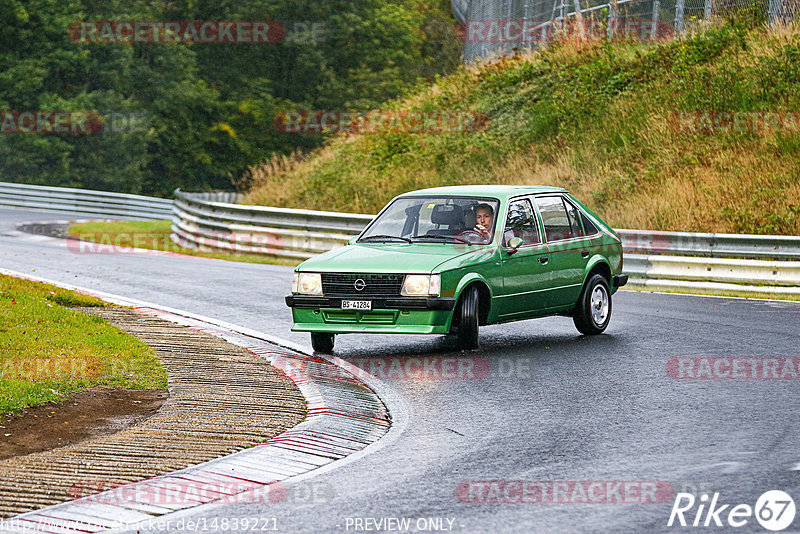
513, 245
352, 240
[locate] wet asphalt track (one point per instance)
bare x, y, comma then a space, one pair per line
555, 406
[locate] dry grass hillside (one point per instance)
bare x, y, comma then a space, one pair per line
597, 118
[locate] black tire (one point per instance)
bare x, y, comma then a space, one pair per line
467, 335
593, 311
322, 342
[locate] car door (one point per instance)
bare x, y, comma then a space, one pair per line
568, 253
526, 273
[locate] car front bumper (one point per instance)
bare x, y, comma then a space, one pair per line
382, 303
396, 315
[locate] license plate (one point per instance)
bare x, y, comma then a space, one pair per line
356, 304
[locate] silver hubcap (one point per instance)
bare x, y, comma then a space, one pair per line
599, 305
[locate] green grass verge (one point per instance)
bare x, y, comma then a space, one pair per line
48, 350
154, 235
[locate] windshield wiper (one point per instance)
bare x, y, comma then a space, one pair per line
384, 237
456, 238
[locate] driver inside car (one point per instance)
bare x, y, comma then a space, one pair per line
484, 219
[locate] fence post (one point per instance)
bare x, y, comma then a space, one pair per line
707, 10
656, 12
612, 19
679, 8
775, 11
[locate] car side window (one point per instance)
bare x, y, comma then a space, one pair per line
556, 222
574, 219
521, 222
588, 226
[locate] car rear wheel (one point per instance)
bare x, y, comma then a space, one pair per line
593, 312
468, 319
322, 342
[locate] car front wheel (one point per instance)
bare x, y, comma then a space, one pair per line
593, 312
322, 342
468, 319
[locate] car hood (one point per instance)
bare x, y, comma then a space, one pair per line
386, 258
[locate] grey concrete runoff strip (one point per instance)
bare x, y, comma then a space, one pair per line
346, 418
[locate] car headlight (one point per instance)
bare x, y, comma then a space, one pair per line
421, 285
307, 284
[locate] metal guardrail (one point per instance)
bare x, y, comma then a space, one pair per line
202, 221
715, 274
100, 203
705, 262
680, 260
652, 259
747, 246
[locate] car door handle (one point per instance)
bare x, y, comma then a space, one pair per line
585, 253
543, 260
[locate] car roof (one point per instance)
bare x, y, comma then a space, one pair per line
499, 191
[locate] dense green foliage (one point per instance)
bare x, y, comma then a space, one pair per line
598, 119
205, 111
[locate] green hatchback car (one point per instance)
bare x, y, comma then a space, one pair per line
447, 260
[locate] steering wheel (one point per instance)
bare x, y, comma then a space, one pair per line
473, 237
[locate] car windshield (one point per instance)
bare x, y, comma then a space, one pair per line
435, 220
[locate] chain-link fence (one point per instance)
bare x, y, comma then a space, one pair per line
492, 28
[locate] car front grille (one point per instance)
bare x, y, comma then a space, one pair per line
375, 285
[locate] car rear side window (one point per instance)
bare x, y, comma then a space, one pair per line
588, 226
574, 219
557, 224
